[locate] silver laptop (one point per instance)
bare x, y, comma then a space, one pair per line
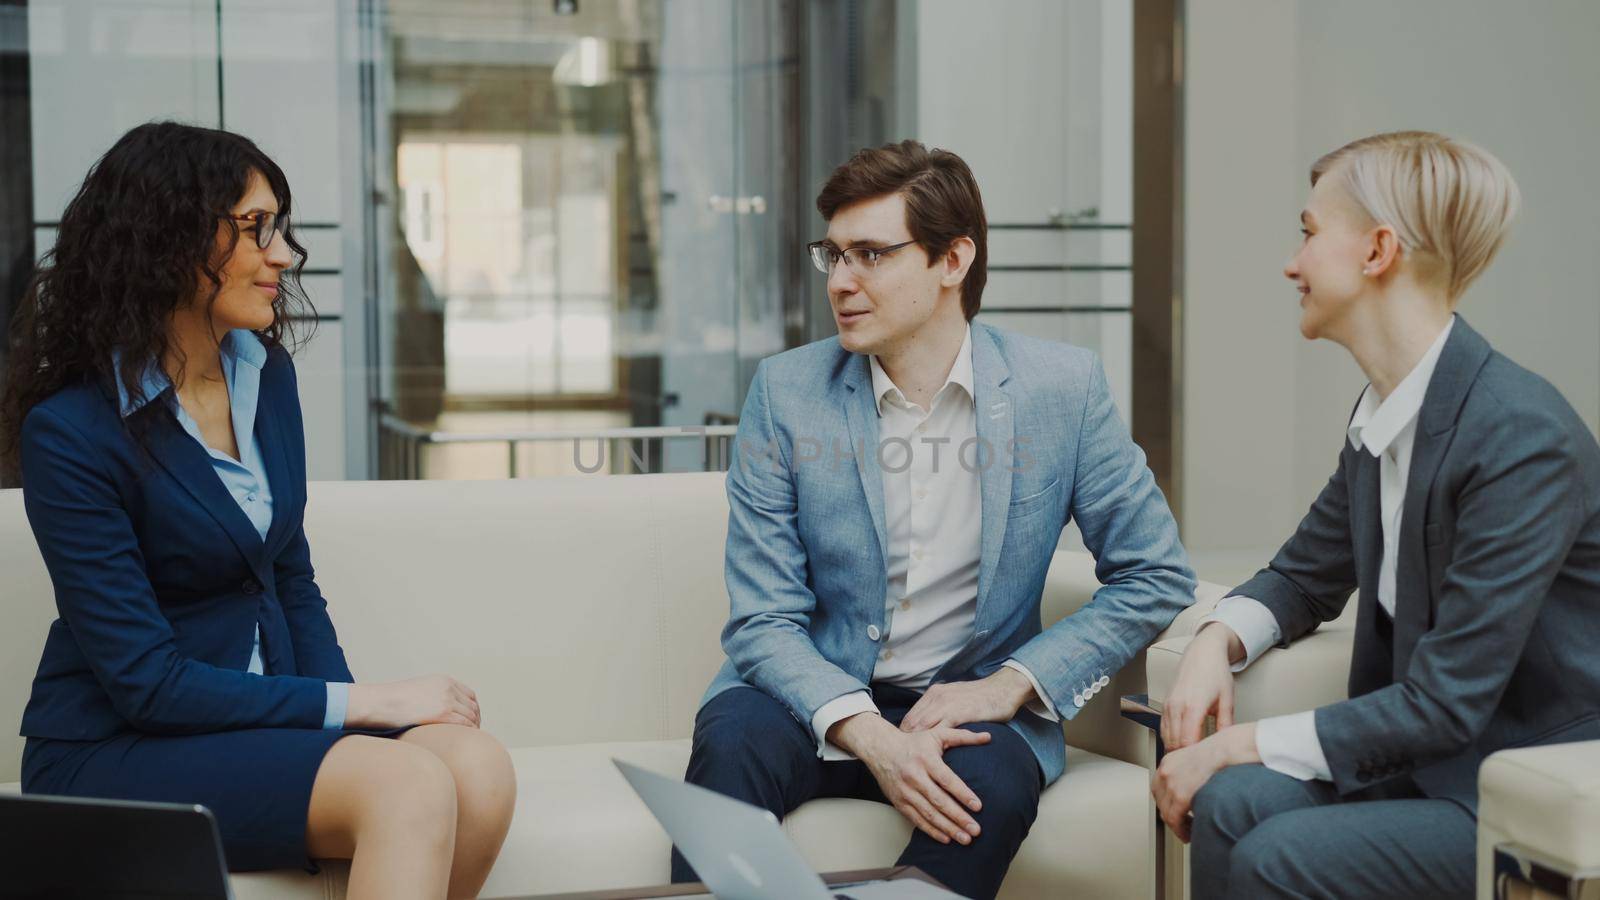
739, 850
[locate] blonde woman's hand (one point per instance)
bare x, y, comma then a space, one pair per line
1204, 687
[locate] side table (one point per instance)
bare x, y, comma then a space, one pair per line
1170, 854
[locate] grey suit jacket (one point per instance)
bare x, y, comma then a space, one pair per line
1497, 601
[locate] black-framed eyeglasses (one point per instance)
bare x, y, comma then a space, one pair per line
860, 259
266, 225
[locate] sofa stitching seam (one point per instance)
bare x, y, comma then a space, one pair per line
659, 614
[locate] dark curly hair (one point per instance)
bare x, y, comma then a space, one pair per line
136, 244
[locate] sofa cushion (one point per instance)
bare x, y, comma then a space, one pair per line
578, 826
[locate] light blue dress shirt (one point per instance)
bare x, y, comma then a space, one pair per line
243, 355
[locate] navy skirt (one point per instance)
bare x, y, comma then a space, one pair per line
257, 782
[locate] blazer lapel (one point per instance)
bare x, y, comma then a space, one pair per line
1413, 608
190, 465
1366, 522
1372, 659
996, 429
270, 432
861, 414
1463, 355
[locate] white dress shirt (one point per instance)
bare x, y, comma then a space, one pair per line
1386, 429
933, 515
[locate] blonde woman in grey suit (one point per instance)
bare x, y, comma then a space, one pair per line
1464, 515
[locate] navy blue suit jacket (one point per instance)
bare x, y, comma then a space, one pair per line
160, 578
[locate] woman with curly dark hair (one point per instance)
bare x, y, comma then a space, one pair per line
152, 411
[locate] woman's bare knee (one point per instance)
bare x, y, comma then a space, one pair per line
483, 772
486, 783
366, 785
486, 791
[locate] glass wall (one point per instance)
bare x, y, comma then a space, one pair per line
533, 220
593, 211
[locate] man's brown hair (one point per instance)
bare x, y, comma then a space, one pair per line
942, 202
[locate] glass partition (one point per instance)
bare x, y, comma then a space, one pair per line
591, 208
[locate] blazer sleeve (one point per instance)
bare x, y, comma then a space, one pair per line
767, 636
1519, 510
316, 645
1310, 579
1142, 568
105, 598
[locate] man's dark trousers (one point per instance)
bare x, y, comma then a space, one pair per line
748, 746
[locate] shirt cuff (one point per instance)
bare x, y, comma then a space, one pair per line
1040, 705
1250, 619
338, 704
832, 713
1289, 744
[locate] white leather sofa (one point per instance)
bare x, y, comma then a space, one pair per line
586, 612
1538, 806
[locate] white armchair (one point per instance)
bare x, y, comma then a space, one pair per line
1539, 822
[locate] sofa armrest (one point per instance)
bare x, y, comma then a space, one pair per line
1542, 804
1206, 597
1311, 672
1099, 726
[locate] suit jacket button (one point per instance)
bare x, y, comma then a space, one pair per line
1077, 700
873, 632
251, 586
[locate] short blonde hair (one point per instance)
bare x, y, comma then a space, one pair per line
1450, 202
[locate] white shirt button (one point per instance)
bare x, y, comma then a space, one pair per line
922, 493
906, 603
917, 554
922, 429
873, 632
888, 654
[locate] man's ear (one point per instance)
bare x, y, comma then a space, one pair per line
957, 260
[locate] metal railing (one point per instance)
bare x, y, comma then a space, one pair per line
403, 446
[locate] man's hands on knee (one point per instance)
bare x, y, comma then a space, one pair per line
910, 769
953, 704
1204, 687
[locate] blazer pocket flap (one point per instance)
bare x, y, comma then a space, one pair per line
1024, 505
1432, 535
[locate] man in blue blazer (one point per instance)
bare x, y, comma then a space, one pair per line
895, 500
